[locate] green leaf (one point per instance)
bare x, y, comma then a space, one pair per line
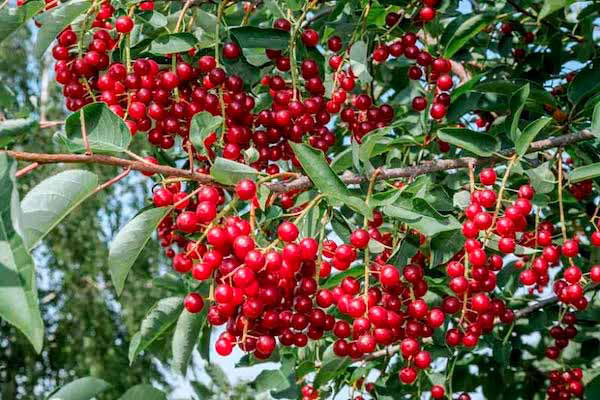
359, 62
331, 366
161, 317
586, 83
129, 242
204, 346
228, 172
592, 389
278, 380
11, 19
478, 143
143, 392
250, 37
218, 377
445, 245
12, 129
173, 43
542, 178
55, 20
551, 6
334, 280
595, 129
201, 126
584, 173
154, 19
465, 32
50, 201
529, 133
314, 164
18, 293
185, 337
81, 389
516, 104
106, 132
419, 215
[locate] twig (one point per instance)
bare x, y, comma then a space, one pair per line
112, 181
26, 170
186, 6
86, 143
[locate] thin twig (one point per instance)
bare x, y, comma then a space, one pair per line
26, 170
86, 143
112, 181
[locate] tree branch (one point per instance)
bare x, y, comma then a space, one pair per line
303, 182
439, 165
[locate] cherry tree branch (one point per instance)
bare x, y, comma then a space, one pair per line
303, 182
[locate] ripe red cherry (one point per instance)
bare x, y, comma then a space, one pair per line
182, 263
423, 359
444, 82
265, 344
438, 111
193, 302
427, 13
334, 43
419, 103
231, 51
570, 248
487, 176
390, 276
572, 274
124, 24
360, 238
287, 231
595, 273
282, 24
528, 277
162, 197
409, 347
407, 375
310, 37
526, 192
437, 392
595, 239
187, 222
245, 189
223, 347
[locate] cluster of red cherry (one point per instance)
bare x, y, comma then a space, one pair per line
565, 385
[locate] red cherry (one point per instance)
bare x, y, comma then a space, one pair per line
245, 189
437, 392
287, 231
595, 273
223, 347
595, 239
124, 24
310, 37
438, 111
182, 263
573, 274
419, 103
409, 347
360, 238
231, 51
193, 302
423, 359
427, 13
570, 248
487, 176
407, 375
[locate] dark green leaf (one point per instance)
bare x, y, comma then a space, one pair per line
331, 366
228, 172
551, 6
314, 164
250, 37
596, 120
161, 317
185, 337
18, 293
143, 392
355, 272
12, 129
586, 83
129, 242
52, 200
476, 142
445, 245
106, 132
12, 19
173, 43
419, 215
55, 20
82, 389
517, 104
201, 126
584, 173
467, 30
529, 133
